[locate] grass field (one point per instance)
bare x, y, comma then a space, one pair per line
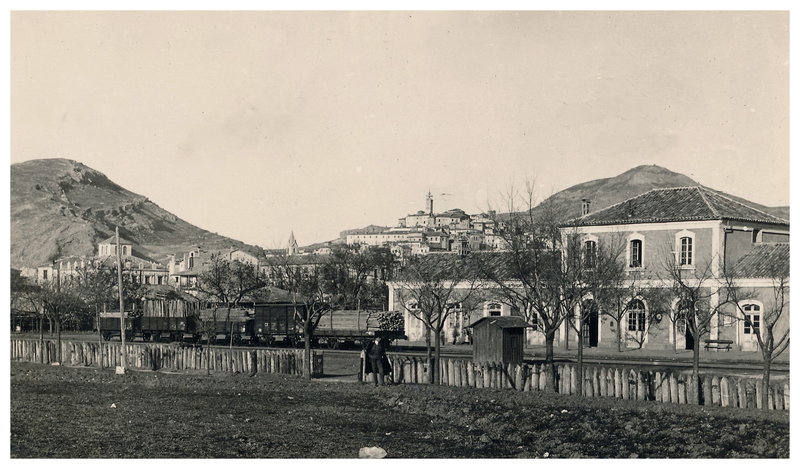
60, 412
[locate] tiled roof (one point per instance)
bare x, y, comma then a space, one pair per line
113, 240
111, 260
765, 260
676, 204
165, 291
308, 259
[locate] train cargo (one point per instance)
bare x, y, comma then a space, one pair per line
282, 323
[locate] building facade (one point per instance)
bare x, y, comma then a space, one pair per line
706, 236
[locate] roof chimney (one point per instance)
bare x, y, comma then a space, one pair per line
585, 203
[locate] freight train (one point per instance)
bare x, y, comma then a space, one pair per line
274, 323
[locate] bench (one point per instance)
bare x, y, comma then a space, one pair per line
718, 344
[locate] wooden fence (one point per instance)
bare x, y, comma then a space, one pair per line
607, 381
167, 357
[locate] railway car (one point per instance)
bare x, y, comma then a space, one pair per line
281, 323
277, 323
222, 327
110, 325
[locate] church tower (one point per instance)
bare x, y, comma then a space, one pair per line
429, 203
292, 249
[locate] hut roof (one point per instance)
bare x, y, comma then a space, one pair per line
503, 322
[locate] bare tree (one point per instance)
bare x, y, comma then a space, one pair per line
59, 301
588, 271
228, 282
29, 297
301, 277
694, 288
433, 287
623, 301
97, 286
528, 272
768, 327
353, 276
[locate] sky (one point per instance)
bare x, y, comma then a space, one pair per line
256, 124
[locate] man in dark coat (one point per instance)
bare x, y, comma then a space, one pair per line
376, 361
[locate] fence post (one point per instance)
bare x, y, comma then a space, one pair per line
519, 377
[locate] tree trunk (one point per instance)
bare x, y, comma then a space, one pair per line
696, 369
765, 381
619, 336
428, 355
550, 383
674, 336
579, 381
208, 352
41, 338
58, 340
307, 345
437, 345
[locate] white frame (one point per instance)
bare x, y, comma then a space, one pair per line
633, 237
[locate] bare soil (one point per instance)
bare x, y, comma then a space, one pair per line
63, 412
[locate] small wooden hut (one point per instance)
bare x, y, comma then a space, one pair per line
498, 339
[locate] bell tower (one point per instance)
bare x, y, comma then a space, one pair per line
292, 249
429, 203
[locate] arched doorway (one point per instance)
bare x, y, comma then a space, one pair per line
591, 323
750, 325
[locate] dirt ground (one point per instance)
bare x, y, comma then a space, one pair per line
62, 412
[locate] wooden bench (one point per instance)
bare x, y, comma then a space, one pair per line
718, 344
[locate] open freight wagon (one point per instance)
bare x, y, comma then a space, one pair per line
282, 323
162, 314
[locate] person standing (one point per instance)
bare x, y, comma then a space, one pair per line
376, 356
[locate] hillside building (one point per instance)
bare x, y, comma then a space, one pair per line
426, 232
146, 271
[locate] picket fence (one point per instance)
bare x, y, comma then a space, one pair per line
166, 357
605, 381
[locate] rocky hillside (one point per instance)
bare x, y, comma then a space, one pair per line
60, 207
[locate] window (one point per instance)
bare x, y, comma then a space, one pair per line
589, 254
636, 316
636, 253
752, 314
534, 321
686, 251
494, 309
44, 275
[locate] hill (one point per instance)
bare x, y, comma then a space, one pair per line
61, 207
609, 191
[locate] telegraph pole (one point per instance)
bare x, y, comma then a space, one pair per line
121, 370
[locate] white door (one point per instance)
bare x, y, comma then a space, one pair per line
749, 327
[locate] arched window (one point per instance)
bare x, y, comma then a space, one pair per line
752, 316
589, 254
636, 316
